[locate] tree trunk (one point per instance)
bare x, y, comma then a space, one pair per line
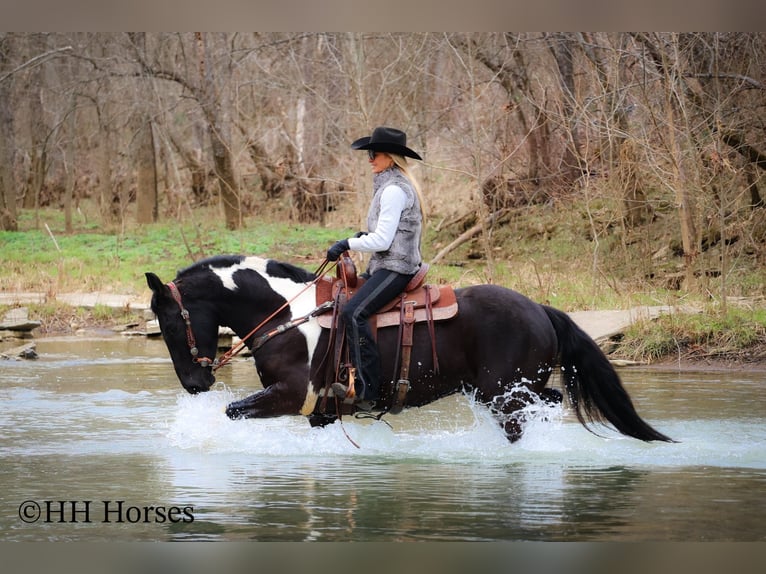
635, 207
227, 178
146, 192
755, 159
214, 95
105, 188
752, 184
535, 136
573, 165
681, 183
70, 127
8, 215
38, 133
39, 155
146, 161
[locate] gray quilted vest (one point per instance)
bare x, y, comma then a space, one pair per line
404, 254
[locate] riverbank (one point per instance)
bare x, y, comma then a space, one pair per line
690, 363
77, 313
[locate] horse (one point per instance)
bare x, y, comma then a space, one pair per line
501, 346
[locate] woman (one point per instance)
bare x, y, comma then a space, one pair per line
395, 221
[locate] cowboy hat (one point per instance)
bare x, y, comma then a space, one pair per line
389, 140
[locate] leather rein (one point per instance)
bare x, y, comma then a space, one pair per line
236, 349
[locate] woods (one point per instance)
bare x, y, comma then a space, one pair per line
637, 126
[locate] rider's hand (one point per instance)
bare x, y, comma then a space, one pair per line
337, 248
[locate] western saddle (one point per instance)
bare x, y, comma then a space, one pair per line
420, 302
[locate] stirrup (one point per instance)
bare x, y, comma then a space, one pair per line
339, 390
364, 405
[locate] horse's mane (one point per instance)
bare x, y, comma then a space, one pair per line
273, 268
289, 271
215, 261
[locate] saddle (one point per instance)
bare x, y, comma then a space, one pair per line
420, 302
440, 299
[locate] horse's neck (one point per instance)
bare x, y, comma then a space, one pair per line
258, 312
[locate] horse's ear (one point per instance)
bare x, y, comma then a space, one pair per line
155, 283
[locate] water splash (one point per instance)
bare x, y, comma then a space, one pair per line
551, 435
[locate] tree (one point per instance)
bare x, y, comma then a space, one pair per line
146, 160
206, 73
8, 212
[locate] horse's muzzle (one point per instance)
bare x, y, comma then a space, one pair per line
195, 387
198, 381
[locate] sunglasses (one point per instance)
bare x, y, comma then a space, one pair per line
371, 153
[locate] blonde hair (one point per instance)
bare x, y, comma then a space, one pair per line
401, 162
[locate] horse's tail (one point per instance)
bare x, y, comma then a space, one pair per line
593, 386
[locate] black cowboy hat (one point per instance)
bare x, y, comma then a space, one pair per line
389, 140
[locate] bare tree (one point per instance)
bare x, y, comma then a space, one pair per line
8, 211
651, 126
205, 73
146, 157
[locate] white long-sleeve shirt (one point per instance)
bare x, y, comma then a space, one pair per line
393, 200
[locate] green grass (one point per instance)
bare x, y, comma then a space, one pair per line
721, 334
90, 260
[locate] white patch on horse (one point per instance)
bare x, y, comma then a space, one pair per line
309, 402
226, 274
302, 305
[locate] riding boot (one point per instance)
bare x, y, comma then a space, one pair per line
368, 371
367, 383
379, 289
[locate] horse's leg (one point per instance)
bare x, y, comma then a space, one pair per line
509, 407
321, 419
275, 400
509, 384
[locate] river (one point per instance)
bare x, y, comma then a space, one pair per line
98, 441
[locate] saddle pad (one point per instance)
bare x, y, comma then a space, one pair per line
444, 307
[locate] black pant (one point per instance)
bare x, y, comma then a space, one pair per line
382, 287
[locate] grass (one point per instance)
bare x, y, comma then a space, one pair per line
736, 334
91, 260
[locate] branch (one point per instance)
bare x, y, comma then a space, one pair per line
36, 61
466, 235
745, 149
755, 84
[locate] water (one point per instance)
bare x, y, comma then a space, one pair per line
99, 442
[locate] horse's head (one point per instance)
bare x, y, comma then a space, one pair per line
189, 333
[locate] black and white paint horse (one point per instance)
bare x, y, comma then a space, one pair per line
501, 345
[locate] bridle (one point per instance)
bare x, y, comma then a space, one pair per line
236, 349
190, 340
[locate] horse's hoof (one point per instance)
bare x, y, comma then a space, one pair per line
234, 412
321, 420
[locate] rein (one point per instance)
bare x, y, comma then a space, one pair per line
236, 349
